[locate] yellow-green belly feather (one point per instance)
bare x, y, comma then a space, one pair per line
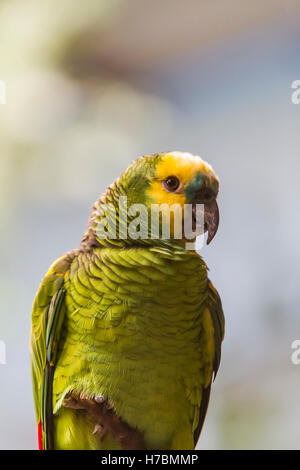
137, 330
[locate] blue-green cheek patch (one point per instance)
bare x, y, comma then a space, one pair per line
194, 186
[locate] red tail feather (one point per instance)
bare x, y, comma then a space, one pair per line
40, 436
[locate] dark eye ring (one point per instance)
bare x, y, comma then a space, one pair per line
171, 183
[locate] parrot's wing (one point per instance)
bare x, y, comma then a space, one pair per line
47, 319
214, 306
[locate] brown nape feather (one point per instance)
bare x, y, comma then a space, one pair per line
89, 239
202, 413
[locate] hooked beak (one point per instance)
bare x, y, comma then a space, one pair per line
211, 212
211, 220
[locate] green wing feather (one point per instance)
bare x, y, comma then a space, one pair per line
47, 319
216, 312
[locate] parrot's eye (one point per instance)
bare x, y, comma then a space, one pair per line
171, 184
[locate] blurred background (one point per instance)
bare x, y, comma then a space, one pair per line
92, 85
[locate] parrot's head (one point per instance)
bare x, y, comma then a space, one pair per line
164, 183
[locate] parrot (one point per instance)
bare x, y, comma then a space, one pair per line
126, 330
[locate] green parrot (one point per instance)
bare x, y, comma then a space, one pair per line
127, 330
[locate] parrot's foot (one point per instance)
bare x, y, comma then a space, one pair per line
101, 410
100, 431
